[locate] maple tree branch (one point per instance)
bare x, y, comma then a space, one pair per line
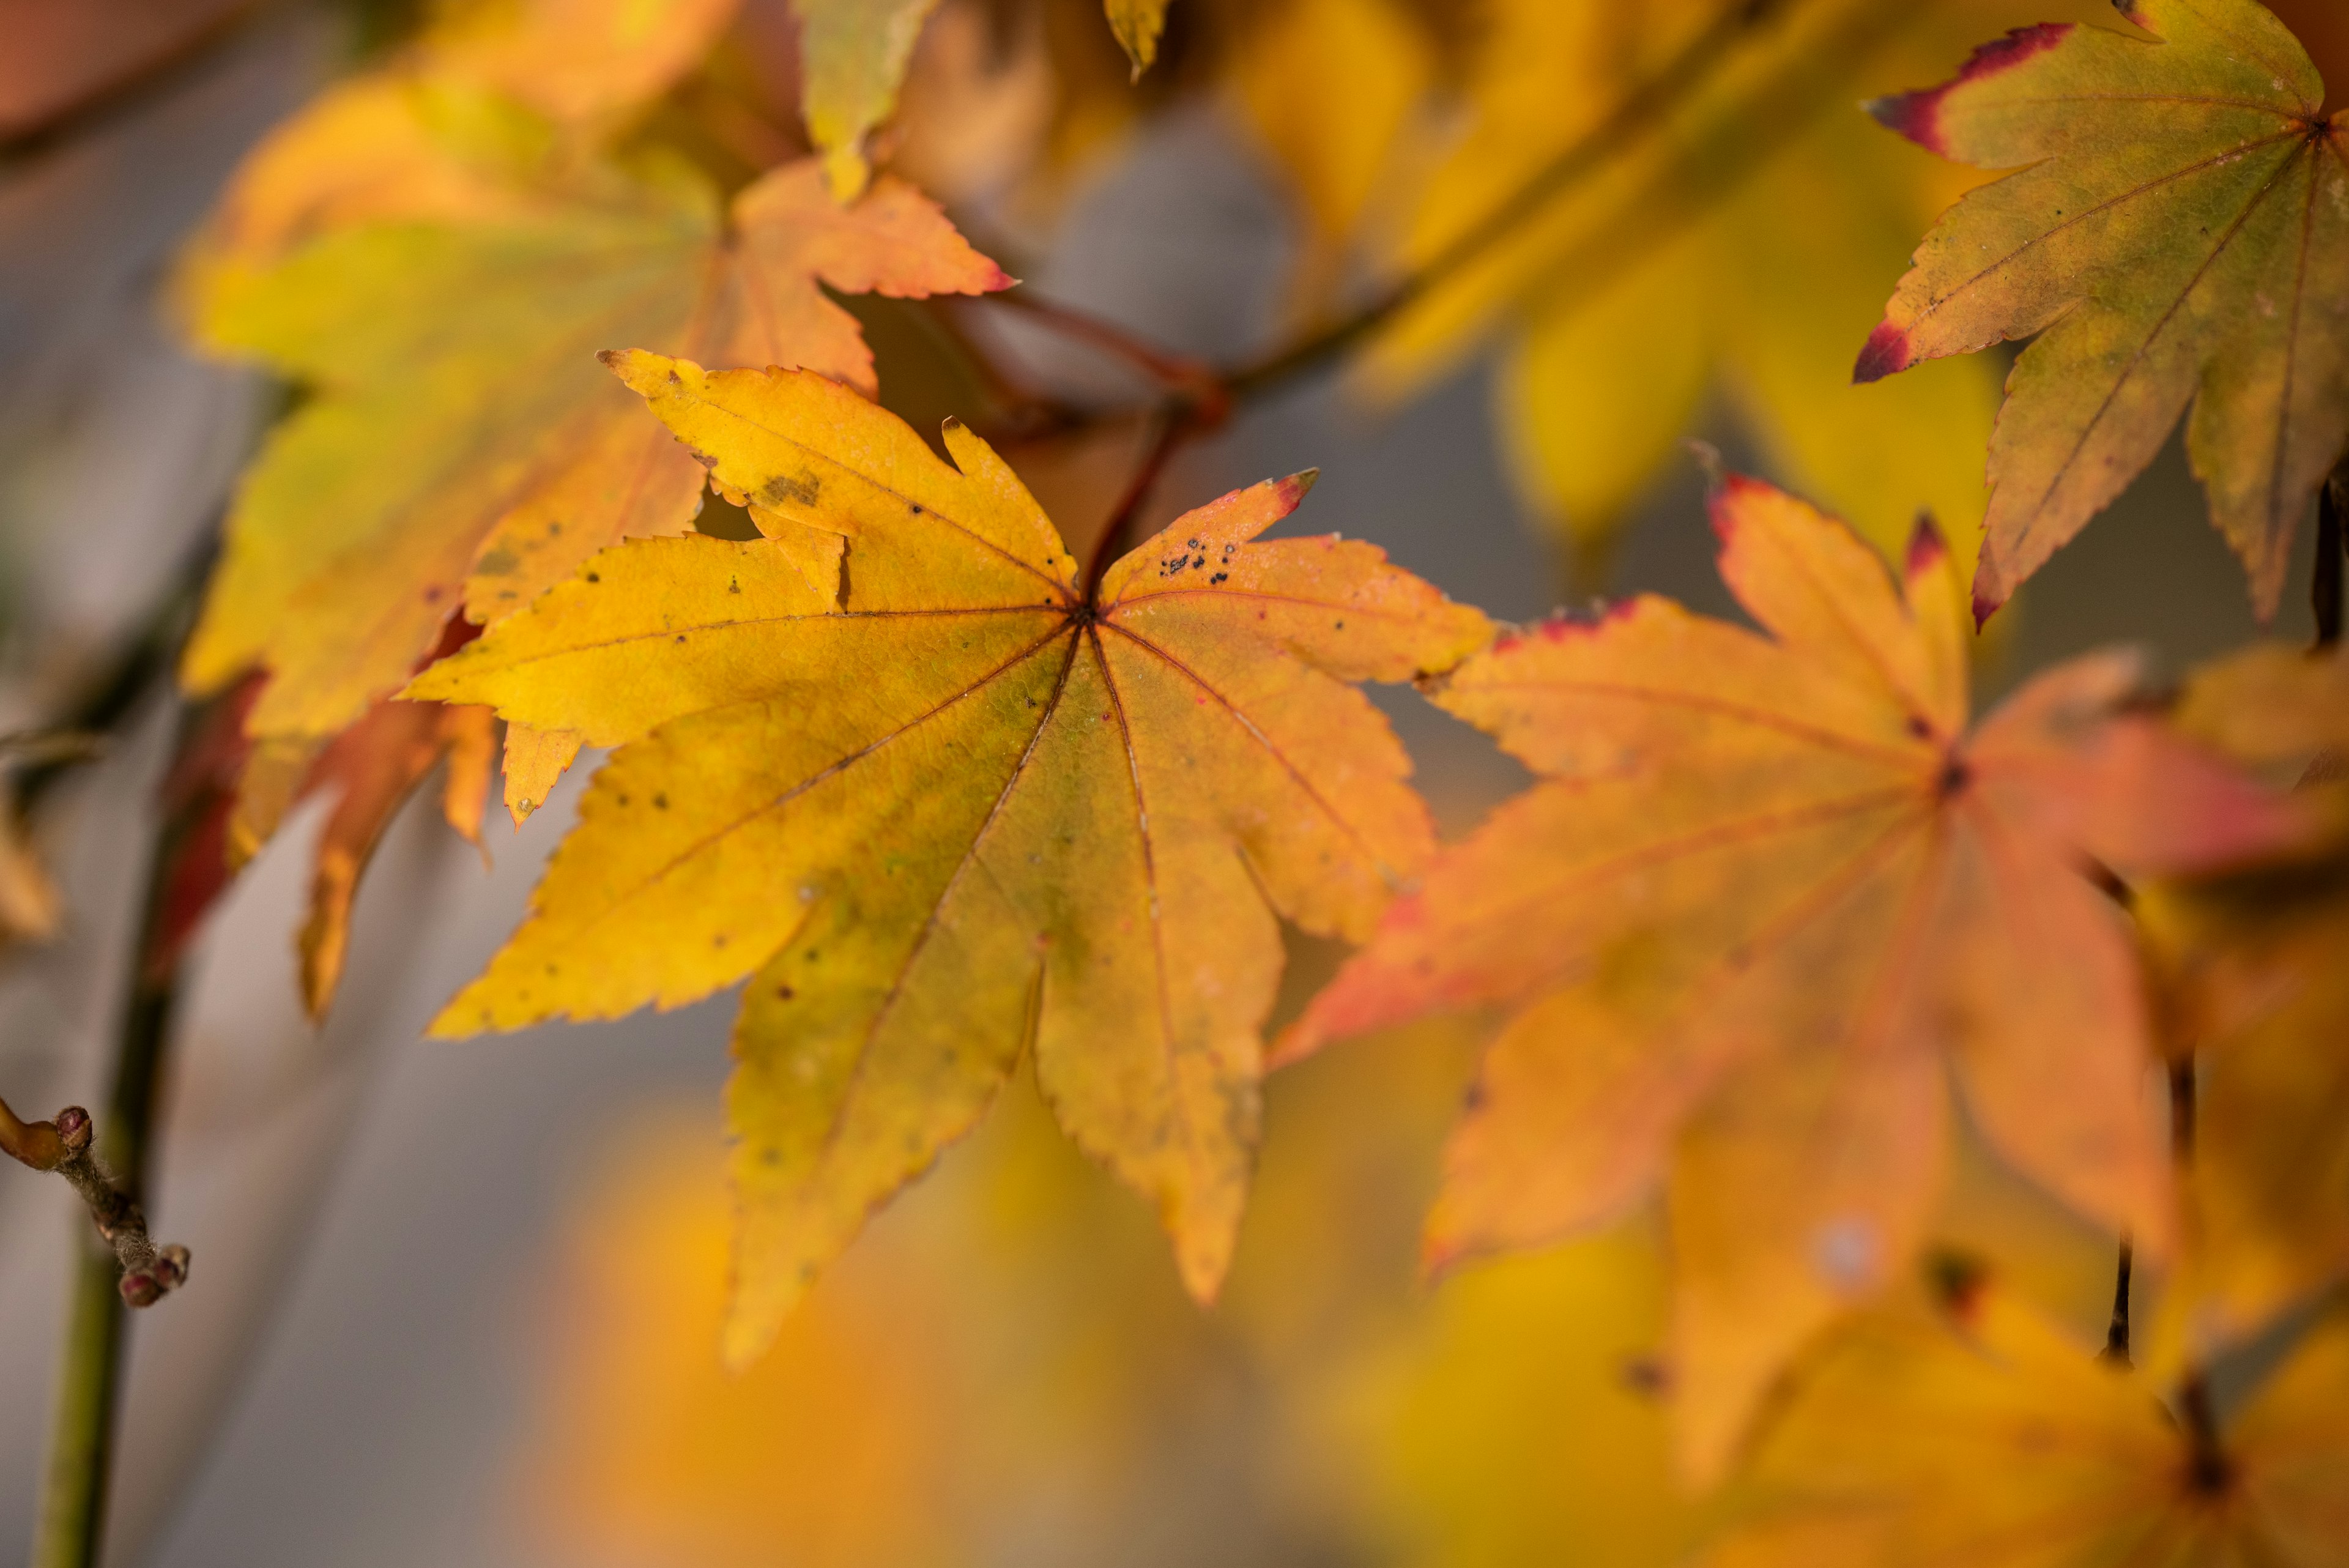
2331, 555
1680, 76
109, 1279
81, 1442
150, 1273
1175, 373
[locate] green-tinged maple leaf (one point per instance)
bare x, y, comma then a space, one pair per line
1773, 892
463, 448
939, 803
853, 59
1990, 1441
2177, 232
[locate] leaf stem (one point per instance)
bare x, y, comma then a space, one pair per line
2332, 553
2116, 1336
1174, 423
2210, 1468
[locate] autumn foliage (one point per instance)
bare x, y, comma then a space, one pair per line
1789, 937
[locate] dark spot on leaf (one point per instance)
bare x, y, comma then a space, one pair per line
593, 578
784, 993
1218, 577
660, 802
497, 561
791, 489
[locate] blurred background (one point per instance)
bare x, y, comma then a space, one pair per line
458, 1303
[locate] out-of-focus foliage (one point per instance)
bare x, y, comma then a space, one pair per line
2254, 980
1773, 890
62, 57
2179, 232
1990, 1441
1072, 1406
1720, 252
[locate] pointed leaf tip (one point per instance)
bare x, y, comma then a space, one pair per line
1885, 353
1926, 544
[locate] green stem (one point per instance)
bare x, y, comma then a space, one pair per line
71, 1529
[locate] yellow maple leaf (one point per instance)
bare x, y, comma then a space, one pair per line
1993, 1441
939, 800
1138, 25
852, 58
1773, 891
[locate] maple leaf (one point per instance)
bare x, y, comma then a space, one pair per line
939, 801
2180, 233
1728, 246
1992, 1441
852, 58
646, 1449
1328, 89
2253, 985
1771, 892
463, 446
1138, 25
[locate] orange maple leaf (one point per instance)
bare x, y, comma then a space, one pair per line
1771, 891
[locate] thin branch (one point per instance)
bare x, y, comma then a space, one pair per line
150, 1273
2332, 553
1647, 101
2182, 1111
82, 1441
2116, 1336
2211, 1471
1175, 374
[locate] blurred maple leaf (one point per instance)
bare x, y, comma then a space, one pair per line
648, 1451
939, 800
1520, 1421
1138, 25
2253, 985
436, 250
1733, 245
1769, 885
2177, 230
1330, 89
1993, 1441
